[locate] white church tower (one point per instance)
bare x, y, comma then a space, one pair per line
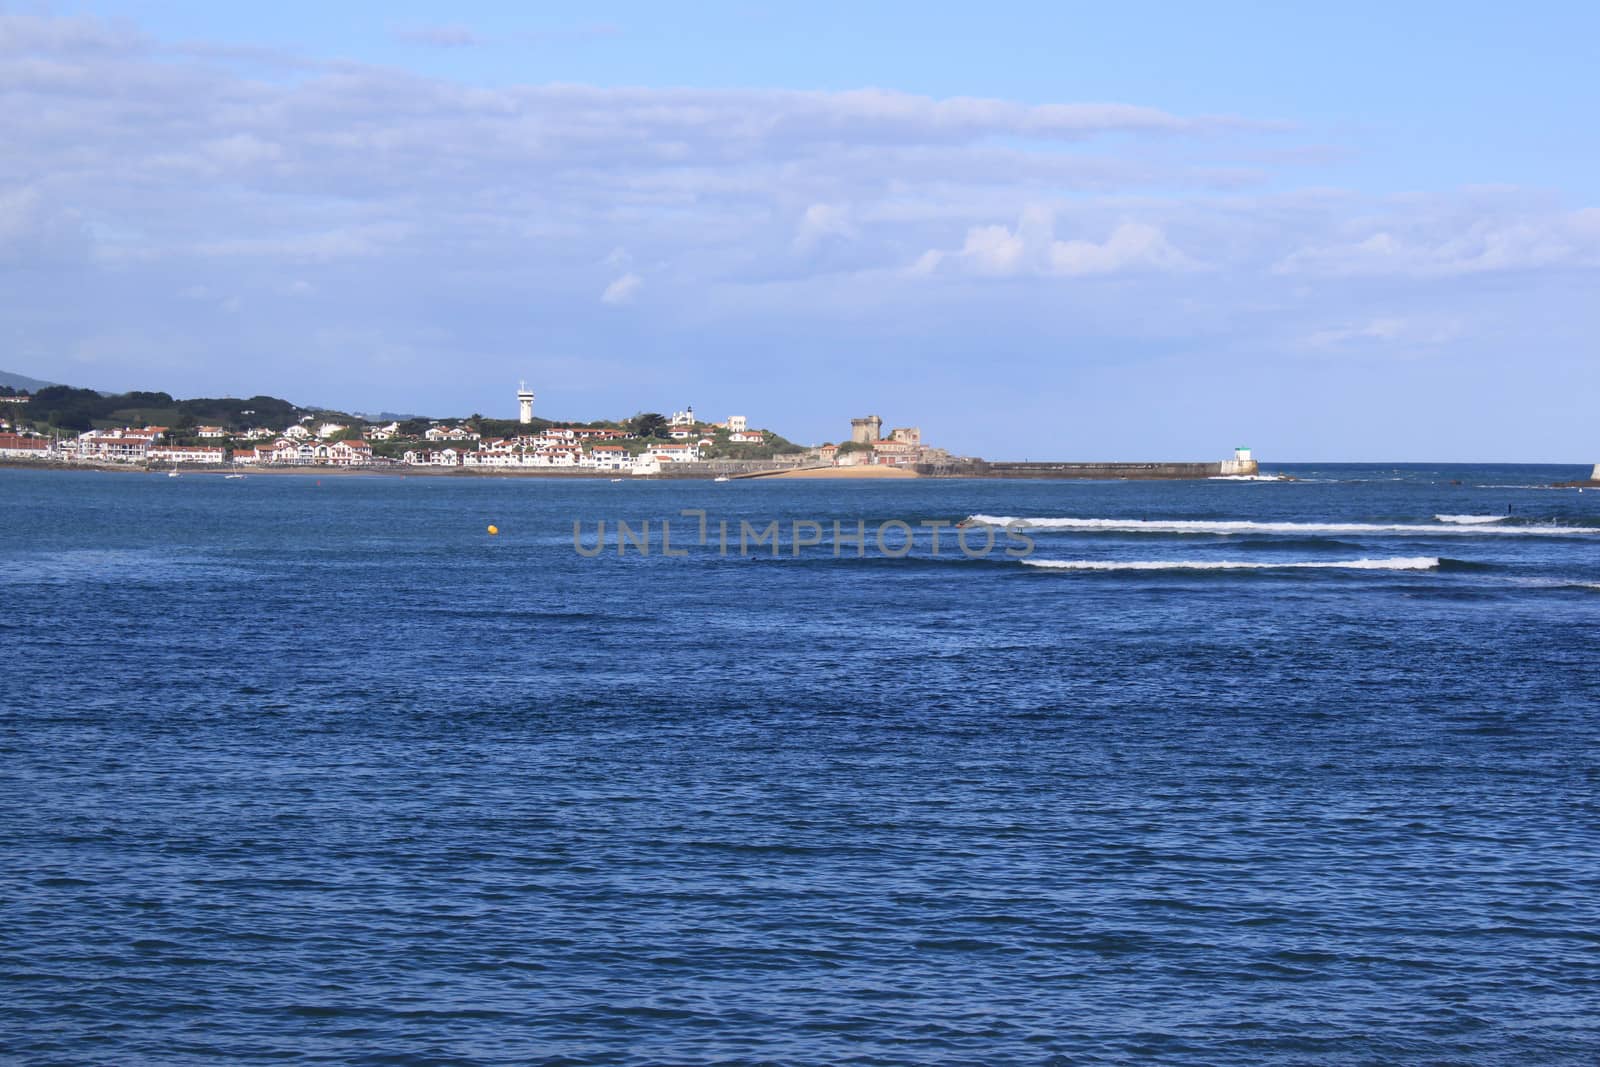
524, 404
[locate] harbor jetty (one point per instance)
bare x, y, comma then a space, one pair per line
1242, 465
1593, 481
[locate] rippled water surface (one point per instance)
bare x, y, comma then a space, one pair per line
318, 771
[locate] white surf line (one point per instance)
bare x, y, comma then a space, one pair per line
1398, 563
1199, 526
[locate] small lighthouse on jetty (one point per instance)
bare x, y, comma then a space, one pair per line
524, 404
1243, 463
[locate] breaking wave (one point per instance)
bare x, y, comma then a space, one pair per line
1243, 526
1471, 520
1398, 563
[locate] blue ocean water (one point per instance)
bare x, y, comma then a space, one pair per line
316, 770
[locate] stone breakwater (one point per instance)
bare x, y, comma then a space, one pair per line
1591, 482
1141, 471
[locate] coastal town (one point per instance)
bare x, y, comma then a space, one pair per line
646, 445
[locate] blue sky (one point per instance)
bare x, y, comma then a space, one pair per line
1069, 230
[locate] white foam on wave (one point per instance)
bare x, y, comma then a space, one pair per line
1397, 563
1247, 478
1244, 526
1529, 488
1471, 520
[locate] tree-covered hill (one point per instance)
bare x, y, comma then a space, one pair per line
22, 383
66, 408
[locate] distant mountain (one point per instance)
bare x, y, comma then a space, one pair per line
22, 381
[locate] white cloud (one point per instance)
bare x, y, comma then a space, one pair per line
622, 290
346, 242
1033, 249
1385, 332
19, 213
36, 228
1432, 247
441, 36
1131, 246
821, 222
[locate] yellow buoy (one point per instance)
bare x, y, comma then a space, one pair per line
493, 530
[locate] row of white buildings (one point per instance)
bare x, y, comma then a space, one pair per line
510, 454
326, 443
291, 453
148, 445
558, 446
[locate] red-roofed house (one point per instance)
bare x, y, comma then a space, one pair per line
345, 454
15, 446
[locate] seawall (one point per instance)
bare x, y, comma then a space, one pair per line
1091, 471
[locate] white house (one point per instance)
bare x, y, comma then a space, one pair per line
450, 433
747, 437
383, 433
298, 432
128, 446
287, 451
184, 454
210, 432
345, 454
683, 418
497, 458
609, 457
554, 457
737, 424
674, 453
444, 457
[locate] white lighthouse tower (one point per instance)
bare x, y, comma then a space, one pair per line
524, 404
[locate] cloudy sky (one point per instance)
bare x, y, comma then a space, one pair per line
1049, 230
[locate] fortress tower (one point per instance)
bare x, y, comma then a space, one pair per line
906, 435
524, 404
866, 431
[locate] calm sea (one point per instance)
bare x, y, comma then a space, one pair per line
301, 770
